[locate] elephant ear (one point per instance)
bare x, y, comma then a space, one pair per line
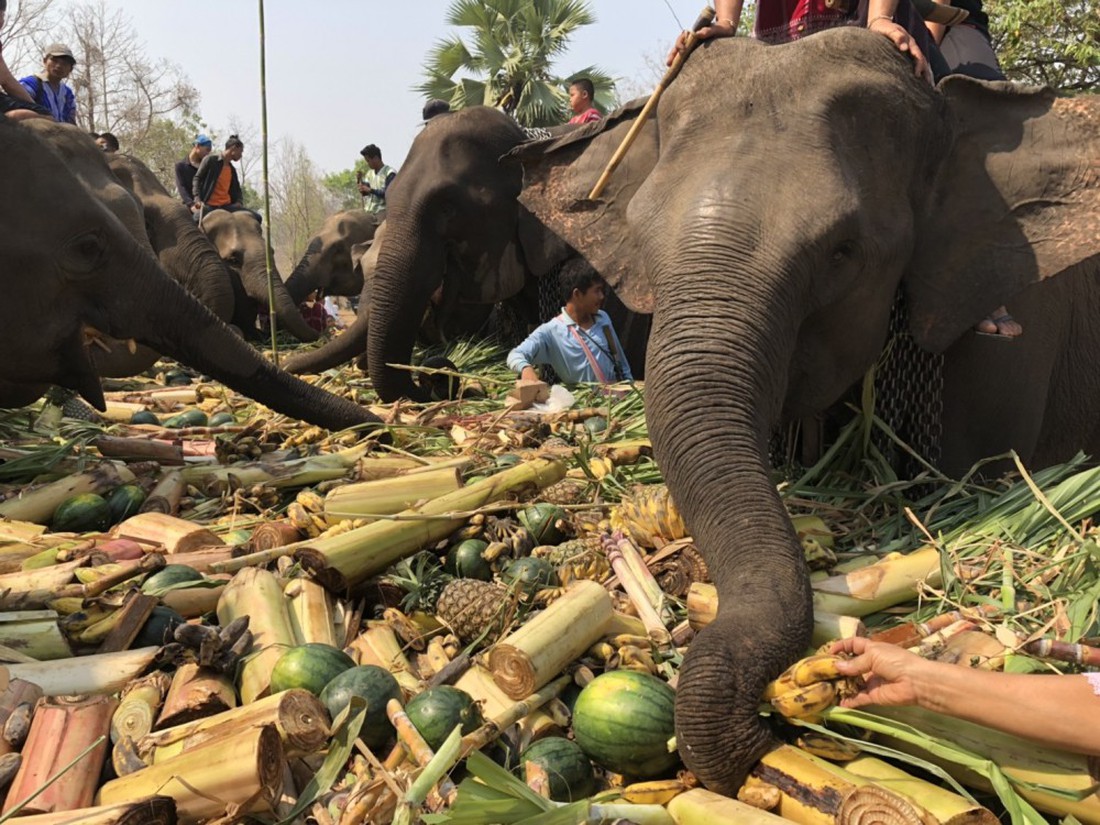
1017, 201
559, 173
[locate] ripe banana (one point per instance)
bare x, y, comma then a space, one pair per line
813, 669
81, 620
97, 632
835, 750
66, 605
801, 703
657, 792
784, 684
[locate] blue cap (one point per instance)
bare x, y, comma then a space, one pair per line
203, 140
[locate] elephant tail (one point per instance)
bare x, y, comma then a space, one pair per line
341, 349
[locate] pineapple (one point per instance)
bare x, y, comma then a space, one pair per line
566, 491
472, 608
422, 578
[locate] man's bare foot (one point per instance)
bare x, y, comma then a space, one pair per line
1000, 323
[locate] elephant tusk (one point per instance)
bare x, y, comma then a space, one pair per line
131, 345
93, 336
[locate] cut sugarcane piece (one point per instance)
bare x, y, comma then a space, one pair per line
948, 807
890, 581
344, 561
541, 648
139, 705
196, 692
244, 770
512, 714
38, 505
378, 645
273, 534
297, 715
495, 704
151, 810
18, 693
297, 473
390, 495
34, 633
174, 534
99, 673
256, 593
62, 729
702, 807
311, 614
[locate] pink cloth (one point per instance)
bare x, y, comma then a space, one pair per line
780, 21
587, 116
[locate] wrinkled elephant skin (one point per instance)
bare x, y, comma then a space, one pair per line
794, 188
331, 260
74, 272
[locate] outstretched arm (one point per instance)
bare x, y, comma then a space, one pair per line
727, 17
880, 18
1060, 711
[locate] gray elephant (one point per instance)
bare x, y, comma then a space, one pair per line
331, 259
768, 216
76, 274
239, 240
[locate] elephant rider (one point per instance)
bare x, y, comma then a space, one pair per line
1062, 711
186, 168
15, 101
376, 180
581, 94
216, 185
48, 88
579, 343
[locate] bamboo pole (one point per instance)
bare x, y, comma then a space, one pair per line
175, 534
257, 594
345, 561
297, 716
99, 673
389, 496
18, 698
62, 728
138, 707
312, 617
948, 807
151, 810
888, 582
196, 692
38, 505
539, 650
244, 771
34, 633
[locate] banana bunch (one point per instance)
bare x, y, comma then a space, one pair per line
306, 513
648, 511
808, 687
242, 447
505, 536
308, 435
218, 649
345, 526
90, 625
826, 747
596, 467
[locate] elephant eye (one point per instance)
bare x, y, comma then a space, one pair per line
843, 252
85, 253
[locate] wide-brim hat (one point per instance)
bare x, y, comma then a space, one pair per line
59, 50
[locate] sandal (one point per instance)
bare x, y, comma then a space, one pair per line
1001, 325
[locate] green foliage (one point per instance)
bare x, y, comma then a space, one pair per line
1048, 42
508, 59
341, 186
165, 142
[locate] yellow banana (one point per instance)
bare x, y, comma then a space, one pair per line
813, 669
784, 684
97, 632
835, 750
66, 605
88, 575
805, 702
657, 792
81, 620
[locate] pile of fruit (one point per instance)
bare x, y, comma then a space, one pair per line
213, 614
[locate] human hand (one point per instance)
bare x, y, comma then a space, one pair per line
891, 675
364, 189
719, 28
904, 43
528, 374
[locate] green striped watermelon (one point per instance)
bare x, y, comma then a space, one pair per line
374, 684
310, 667
623, 720
566, 766
436, 711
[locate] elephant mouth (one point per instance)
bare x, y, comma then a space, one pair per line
94, 338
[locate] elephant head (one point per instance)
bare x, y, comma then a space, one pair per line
182, 249
240, 242
780, 197
329, 262
74, 272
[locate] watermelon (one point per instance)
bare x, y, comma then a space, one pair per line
222, 418
158, 628
566, 766
531, 573
187, 418
81, 514
623, 720
465, 561
541, 521
374, 684
177, 378
506, 460
310, 667
125, 501
144, 417
437, 710
595, 425
170, 574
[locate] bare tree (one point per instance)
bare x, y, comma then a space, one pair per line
29, 26
299, 202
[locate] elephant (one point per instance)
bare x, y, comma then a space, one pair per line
239, 240
330, 262
75, 272
768, 216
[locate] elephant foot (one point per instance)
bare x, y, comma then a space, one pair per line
719, 732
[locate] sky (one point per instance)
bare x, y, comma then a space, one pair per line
340, 72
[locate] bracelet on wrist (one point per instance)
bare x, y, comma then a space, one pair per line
727, 22
889, 17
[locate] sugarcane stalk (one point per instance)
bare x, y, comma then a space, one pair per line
478, 682
890, 581
257, 593
390, 495
297, 716
297, 473
513, 713
99, 673
378, 645
702, 807
16, 695
61, 730
152, 810
948, 807
1078, 654
643, 576
909, 634
138, 707
34, 633
38, 505
655, 626
341, 562
174, 534
274, 534
141, 449
311, 613
245, 770
196, 692
539, 650
166, 495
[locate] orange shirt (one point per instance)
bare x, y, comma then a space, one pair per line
220, 195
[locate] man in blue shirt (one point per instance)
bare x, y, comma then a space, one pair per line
49, 89
579, 343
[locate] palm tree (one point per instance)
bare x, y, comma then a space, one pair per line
513, 44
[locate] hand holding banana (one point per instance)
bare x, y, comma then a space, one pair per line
809, 686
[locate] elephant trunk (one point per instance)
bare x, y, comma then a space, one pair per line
303, 280
341, 349
290, 317
712, 402
157, 311
410, 268
188, 256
